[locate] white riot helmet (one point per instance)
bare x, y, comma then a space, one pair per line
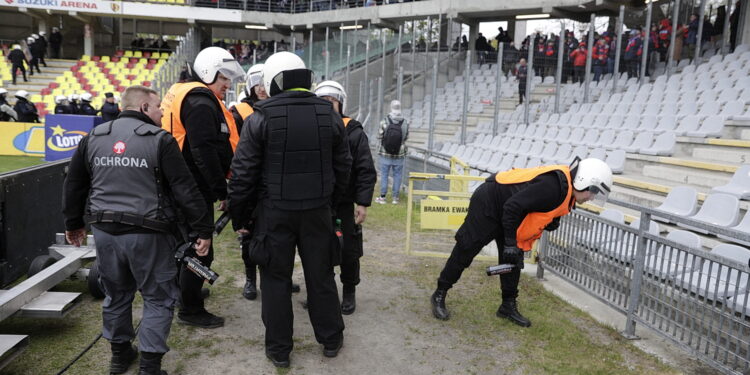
60, 99
284, 71
35, 36
593, 175
42, 33
254, 77
86, 97
73, 97
3, 91
29, 40
22, 94
214, 60
334, 90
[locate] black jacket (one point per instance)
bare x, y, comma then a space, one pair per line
62, 109
246, 187
206, 149
26, 111
109, 111
176, 178
87, 109
74, 109
55, 39
16, 57
363, 175
510, 203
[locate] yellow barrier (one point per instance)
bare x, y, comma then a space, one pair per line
21, 139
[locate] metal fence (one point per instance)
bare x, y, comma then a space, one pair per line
185, 53
281, 6
695, 298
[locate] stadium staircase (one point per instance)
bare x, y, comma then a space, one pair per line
38, 83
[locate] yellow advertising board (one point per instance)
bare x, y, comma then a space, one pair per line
443, 214
21, 139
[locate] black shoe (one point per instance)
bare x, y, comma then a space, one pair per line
203, 319
278, 360
250, 291
123, 355
509, 310
304, 304
205, 292
295, 288
348, 303
438, 304
151, 364
331, 352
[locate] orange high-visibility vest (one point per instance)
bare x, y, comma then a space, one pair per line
533, 224
171, 105
244, 109
346, 121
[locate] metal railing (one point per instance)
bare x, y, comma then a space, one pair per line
694, 298
280, 6
185, 53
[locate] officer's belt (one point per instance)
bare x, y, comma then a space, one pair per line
128, 219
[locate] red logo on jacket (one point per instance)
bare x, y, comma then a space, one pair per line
119, 148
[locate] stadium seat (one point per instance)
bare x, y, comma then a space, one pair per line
642, 141
712, 126
715, 281
595, 236
738, 186
688, 124
616, 161
663, 145
681, 201
718, 209
625, 247
744, 227
667, 262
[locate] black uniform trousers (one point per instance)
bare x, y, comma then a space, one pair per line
250, 266
34, 63
277, 233
15, 68
521, 92
482, 225
191, 284
352, 250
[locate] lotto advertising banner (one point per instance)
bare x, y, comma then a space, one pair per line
63, 132
21, 139
86, 6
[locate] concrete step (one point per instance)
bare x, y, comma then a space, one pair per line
686, 175
736, 155
11, 346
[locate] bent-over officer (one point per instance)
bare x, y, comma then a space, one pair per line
352, 207
291, 164
134, 179
513, 208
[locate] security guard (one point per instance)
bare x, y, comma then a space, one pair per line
62, 107
86, 108
352, 208
131, 174
291, 164
195, 114
513, 208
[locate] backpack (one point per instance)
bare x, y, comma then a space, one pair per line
392, 137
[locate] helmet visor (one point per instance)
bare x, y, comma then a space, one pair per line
255, 80
231, 69
599, 194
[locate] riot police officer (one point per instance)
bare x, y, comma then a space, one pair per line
513, 208
195, 114
291, 165
110, 110
86, 108
352, 208
127, 180
61, 105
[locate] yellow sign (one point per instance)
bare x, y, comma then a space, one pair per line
19, 138
443, 214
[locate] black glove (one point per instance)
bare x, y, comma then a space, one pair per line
553, 225
512, 255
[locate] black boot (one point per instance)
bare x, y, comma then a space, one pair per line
348, 301
438, 304
123, 355
250, 291
509, 310
202, 319
295, 288
151, 364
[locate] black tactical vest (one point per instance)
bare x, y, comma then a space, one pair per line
298, 166
123, 156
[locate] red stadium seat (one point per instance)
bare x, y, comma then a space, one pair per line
147, 83
115, 59
96, 58
147, 54
54, 85
44, 91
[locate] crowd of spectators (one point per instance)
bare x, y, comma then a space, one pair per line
151, 45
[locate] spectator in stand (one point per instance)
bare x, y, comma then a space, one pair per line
164, 45
521, 74
599, 58
55, 41
665, 32
17, 59
692, 37
721, 15
481, 47
632, 52
681, 33
540, 62
579, 62
611, 51
734, 24
510, 56
25, 109
110, 110
464, 43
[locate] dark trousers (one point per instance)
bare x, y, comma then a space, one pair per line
521, 93
143, 262
310, 231
250, 266
55, 51
352, 250
15, 68
41, 59
191, 284
34, 63
482, 226
578, 74
632, 68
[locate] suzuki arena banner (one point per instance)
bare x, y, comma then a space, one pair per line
63, 132
90, 6
21, 139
